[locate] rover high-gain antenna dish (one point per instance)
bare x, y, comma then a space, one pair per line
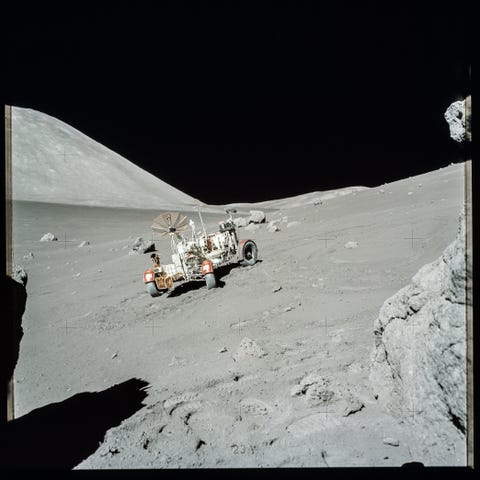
170, 223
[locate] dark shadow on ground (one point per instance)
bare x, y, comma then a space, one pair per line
220, 272
61, 435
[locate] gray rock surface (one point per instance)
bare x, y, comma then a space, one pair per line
419, 359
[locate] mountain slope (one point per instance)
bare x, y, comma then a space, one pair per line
53, 162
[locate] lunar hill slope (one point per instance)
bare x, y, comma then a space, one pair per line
270, 369
53, 162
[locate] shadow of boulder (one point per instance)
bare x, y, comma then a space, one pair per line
61, 435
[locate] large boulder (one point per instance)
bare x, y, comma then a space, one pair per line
457, 116
418, 367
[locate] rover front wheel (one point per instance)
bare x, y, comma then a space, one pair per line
152, 289
211, 280
249, 253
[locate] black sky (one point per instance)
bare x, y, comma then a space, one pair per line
239, 104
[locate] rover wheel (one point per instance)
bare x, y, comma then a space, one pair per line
250, 253
211, 280
152, 289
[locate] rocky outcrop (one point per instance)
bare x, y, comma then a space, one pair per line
418, 367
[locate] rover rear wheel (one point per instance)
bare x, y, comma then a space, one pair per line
152, 289
250, 253
211, 280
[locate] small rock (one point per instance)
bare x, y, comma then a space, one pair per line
142, 246
292, 224
49, 237
114, 355
381, 190
256, 216
288, 309
354, 405
28, 256
284, 219
84, 244
420, 185
222, 350
240, 222
250, 347
273, 227
19, 275
317, 202
277, 289
391, 441
410, 193
76, 275
351, 244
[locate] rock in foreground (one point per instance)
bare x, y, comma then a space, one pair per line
419, 359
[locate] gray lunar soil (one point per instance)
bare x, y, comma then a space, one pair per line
272, 369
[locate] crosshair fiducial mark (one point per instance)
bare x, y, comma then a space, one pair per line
326, 411
69, 327
412, 238
326, 239
153, 326
326, 327
65, 154
65, 241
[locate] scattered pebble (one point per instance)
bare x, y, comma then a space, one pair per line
391, 441
84, 244
222, 350
277, 289
410, 193
381, 190
288, 309
114, 355
420, 185
351, 244
28, 256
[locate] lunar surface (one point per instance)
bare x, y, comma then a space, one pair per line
270, 369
